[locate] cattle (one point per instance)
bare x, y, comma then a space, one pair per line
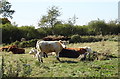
82, 50
48, 47
34, 52
69, 53
5, 48
75, 52
17, 50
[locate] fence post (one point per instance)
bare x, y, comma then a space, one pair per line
1, 67
118, 55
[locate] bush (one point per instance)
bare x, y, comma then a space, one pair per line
32, 43
15, 43
75, 39
90, 39
78, 38
10, 33
23, 44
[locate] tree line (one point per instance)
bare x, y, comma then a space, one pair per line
11, 33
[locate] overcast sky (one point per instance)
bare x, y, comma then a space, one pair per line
29, 12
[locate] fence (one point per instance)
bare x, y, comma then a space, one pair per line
0, 67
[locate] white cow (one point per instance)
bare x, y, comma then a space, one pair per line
35, 54
48, 47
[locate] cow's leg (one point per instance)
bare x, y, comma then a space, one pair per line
57, 56
39, 55
95, 56
45, 55
89, 56
84, 56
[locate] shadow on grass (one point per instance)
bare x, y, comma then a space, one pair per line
68, 61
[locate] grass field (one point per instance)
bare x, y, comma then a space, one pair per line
27, 66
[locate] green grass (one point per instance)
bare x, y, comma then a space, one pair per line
69, 68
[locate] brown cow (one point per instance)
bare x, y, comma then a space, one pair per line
75, 52
69, 53
17, 50
5, 48
82, 50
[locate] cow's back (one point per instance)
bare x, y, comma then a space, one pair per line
49, 46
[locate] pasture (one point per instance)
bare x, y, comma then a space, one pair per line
24, 65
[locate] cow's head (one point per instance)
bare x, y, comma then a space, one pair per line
88, 49
33, 51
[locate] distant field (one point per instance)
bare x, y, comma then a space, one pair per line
27, 66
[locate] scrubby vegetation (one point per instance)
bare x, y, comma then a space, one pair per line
74, 39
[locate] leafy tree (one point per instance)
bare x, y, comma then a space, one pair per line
42, 32
10, 33
98, 26
5, 21
81, 30
29, 32
113, 27
64, 29
72, 20
50, 19
5, 9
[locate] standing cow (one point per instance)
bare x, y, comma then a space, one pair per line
48, 47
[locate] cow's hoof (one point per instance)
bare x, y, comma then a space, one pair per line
58, 59
82, 59
41, 61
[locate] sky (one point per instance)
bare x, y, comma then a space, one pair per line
29, 12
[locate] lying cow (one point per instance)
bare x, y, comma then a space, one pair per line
35, 54
75, 52
17, 50
69, 53
5, 48
82, 50
48, 47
